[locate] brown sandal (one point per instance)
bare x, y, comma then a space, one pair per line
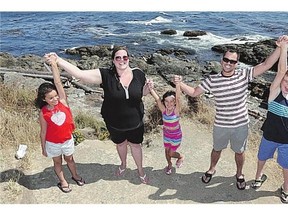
64, 189
79, 182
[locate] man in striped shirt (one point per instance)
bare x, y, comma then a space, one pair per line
230, 90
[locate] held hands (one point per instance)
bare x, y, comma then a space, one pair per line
51, 58
148, 86
177, 79
282, 40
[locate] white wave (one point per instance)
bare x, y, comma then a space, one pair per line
216, 40
201, 42
158, 19
162, 12
99, 32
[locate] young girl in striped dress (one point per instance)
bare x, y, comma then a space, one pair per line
172, 134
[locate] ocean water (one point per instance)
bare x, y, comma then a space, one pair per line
42, 32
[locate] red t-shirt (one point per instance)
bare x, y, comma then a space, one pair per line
60, 124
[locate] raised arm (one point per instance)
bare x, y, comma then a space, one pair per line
58, 83
158, 100
270, 61
88, 76
193, 92
282, 68
178, 98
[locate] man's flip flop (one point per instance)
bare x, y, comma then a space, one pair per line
284, 196
64, 189
258, 182
241, 183
206, 178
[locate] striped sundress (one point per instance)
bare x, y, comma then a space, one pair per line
172, 134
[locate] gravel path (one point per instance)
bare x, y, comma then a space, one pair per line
98, 160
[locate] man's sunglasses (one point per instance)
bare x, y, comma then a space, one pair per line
118, 58
229, 60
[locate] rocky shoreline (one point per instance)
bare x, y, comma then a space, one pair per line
159, 66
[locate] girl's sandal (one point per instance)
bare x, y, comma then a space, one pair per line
144, 179
120, 171
179, 162
79, 182
64, 189
168, 170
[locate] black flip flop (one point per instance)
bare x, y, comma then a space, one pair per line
207, 176
258, 182
239, 182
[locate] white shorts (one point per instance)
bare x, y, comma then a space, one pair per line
57, 149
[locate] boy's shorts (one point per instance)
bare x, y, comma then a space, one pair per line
57, 149
236, 136
267, 149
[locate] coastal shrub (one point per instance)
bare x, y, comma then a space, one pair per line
21, 100
78, 137
12, 188
153, 119
18, 117
84, 120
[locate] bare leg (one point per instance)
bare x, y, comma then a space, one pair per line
122, 152
58, 170
72, 166
239, 159
175, 155
136, 151
285, 176
215, 156
168, 157
180, 158
260, 166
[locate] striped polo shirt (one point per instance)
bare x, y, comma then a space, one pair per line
230, 95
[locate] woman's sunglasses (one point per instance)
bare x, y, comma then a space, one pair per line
118, 58
229, 60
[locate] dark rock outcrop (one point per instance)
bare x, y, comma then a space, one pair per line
163, 63
250, 53
169, 32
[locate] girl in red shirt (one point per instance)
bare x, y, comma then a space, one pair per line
57, 126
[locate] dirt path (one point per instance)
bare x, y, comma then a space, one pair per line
97, 162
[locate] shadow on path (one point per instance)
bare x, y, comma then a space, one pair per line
176, 186
190, 187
